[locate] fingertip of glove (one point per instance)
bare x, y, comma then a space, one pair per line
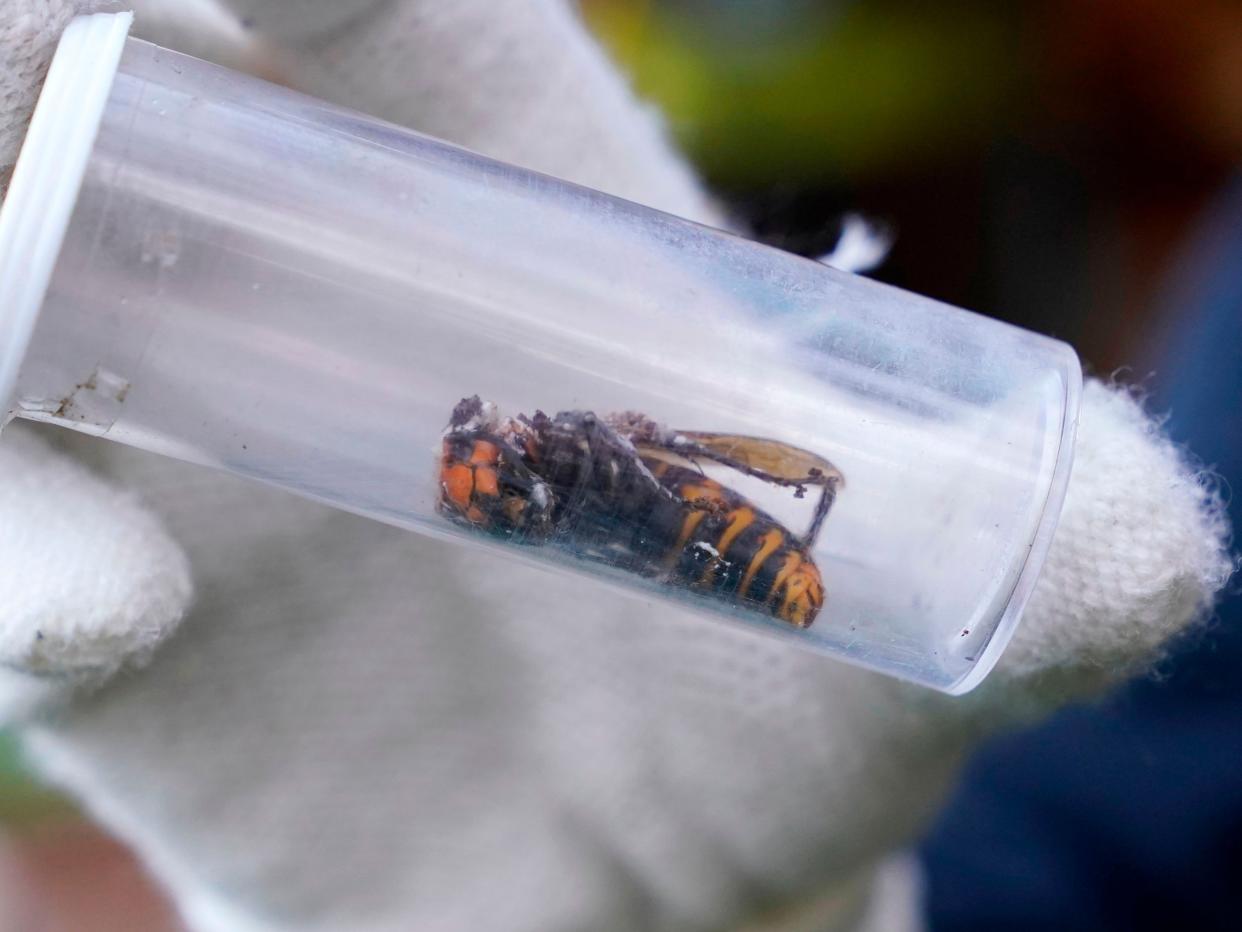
1140, 554
89, 579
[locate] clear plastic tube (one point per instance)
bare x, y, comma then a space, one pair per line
266, 284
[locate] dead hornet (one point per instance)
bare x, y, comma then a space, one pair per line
624, 490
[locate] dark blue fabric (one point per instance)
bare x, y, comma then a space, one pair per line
1128, 814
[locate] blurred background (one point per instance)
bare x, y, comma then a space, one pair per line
1065, 166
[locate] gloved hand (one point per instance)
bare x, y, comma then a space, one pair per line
91, 578
358, 728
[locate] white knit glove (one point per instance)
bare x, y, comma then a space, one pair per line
358, 728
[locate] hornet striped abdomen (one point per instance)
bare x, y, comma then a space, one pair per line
625, 491
730, 547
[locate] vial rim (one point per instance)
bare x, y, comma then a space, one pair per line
1041, 540
48, 176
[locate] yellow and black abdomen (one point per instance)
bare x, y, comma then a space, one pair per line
573, 481
728, 546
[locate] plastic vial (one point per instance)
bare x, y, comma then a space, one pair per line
201, 264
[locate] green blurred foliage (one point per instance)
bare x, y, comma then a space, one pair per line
823, 93
23, 801
1039, 161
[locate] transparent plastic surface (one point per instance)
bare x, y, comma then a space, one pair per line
263, 283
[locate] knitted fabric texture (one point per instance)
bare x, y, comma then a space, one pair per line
90, 577
28, 33
1141, 528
